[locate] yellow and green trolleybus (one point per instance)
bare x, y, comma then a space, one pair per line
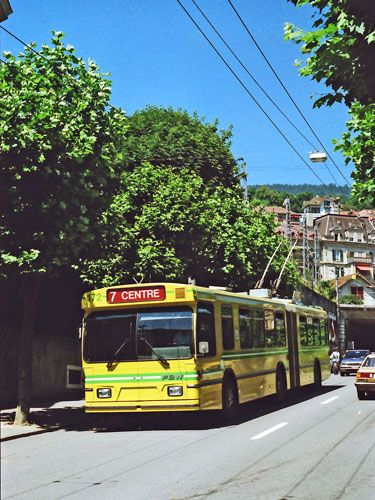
178, 347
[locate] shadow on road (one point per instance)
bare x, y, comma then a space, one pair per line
74, 419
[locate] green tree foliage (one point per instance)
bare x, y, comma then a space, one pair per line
166, 225
265, 196
341, 51
164, 136
59, 146
315, 189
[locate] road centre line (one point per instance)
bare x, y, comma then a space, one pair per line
329, 400
269, 431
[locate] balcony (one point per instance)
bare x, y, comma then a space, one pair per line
351, 259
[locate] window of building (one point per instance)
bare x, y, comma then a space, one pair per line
337, 255
357, 290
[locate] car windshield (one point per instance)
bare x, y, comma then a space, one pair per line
355, 354
149, 334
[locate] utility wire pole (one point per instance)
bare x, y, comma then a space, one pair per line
288, 220
305, 248
316, 255
245, 183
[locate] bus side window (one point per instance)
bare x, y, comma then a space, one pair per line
317, 332
258, 327
310, 331
303, 330
269, 327
246, 336
227, 327
206, 327
280, 330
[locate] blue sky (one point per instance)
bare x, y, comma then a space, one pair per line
157, 56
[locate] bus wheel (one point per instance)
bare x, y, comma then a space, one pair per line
230, 398
281, 387
317, 376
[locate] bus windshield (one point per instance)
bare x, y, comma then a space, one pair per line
139, 335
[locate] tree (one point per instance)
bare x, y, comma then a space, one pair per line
266, 197
166, 225
341, 51
164, 136
59, 146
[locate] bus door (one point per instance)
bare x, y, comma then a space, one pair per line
291, 321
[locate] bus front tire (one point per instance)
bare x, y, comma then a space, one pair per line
230, 398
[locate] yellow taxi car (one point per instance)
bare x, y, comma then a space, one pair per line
365, 378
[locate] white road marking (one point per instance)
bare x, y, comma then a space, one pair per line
269, 431
329, 400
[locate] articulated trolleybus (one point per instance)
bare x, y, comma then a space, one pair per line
176, 347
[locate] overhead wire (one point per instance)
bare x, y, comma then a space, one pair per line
286, 90
248, 92
252, 77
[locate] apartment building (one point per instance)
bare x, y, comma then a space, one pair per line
346, 246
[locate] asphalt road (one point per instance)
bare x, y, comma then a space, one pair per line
313, 447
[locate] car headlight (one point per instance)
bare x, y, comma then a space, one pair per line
104, 393
175, 390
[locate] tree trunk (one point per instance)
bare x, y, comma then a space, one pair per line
28, 289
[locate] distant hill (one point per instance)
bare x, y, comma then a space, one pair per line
316, 189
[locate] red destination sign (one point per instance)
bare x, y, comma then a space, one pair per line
136, 294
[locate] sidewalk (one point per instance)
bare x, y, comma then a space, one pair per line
45, 418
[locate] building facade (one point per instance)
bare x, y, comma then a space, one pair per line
346, 246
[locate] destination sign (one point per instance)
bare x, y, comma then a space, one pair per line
136, 294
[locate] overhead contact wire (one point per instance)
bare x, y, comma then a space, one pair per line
249, 93
252, 77
287, 92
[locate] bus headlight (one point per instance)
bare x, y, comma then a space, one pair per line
104, 393
175, 390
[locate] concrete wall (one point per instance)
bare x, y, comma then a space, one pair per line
51, 357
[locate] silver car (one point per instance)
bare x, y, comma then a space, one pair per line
352, 360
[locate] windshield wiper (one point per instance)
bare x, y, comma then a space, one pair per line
110, 363
161, 358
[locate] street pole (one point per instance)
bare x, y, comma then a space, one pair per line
316, 255
245, 183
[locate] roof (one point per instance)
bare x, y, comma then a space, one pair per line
329, 223
318, 200
278, 210
351, 277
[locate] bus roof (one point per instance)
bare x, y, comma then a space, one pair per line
166, 293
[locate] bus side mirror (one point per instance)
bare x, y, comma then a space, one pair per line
203, 348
